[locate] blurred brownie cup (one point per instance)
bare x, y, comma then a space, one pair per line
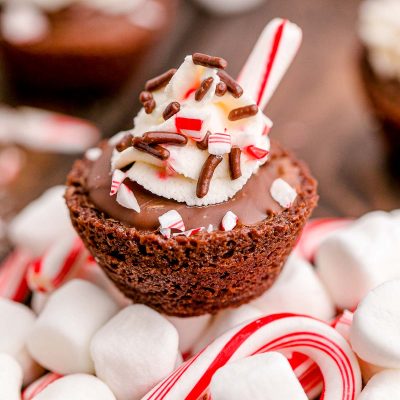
82, 44
379, 30
193, 210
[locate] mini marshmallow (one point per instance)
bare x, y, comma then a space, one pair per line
10, 378
17, 322
225, 320
76, 387
259, 377
297, 290
60, 338
42, 223
359, 257
134, 351
383, 386
190, 330
375, 335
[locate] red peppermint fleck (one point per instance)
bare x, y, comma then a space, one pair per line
256, 152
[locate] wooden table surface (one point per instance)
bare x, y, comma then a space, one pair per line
319, 110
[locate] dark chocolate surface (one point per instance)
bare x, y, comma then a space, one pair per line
252, 204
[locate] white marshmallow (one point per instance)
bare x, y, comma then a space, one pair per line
76, 387
16, 325
10, 378
134, 351
190, 330
266, 376
375, 334
222, 7
42, 223
358, 258
60, 338
225, 320
383, 386
297, 290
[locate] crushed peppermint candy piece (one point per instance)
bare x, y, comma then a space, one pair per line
93, 154
229, 221
283, 193
256, 152
219, 143
191, 123
127, 199
190, 232
210, 228
117, 179
166, 232
172, 220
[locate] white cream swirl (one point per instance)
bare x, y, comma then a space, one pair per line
177, 177
379, 29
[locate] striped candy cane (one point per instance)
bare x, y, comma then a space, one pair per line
281, 332
271, 57
13, 270
39, 385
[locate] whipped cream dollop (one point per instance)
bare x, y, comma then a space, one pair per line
222, 128
379, 29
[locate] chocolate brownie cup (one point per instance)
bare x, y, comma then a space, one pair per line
195, 221
380, 68
86, 44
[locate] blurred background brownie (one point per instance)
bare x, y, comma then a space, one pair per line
88, 44
380, 68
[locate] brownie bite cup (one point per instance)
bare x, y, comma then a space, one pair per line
194, 210
379, 29
85, 44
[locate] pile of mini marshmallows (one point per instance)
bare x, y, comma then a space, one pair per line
82, 339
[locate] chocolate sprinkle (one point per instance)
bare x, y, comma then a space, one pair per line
243, 112
206, 174
171, 110
156, 151
221, 89
145, 96
231, 84
203, 144
234, 163
125, 143
160, 81
149, 106
203, 89
158, 137
209, 61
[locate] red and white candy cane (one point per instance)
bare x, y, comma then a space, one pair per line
315, 232
219, 143
39, 385
190, 232
343, 324
13, 270
270, 59
308, 374
280, 332
57, 265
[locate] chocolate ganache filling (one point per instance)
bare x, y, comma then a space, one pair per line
252, 204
